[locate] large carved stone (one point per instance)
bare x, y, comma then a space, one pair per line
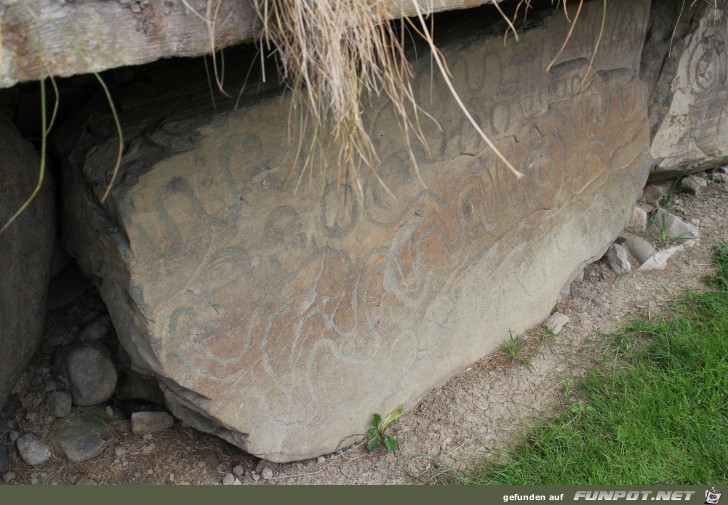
282, 320
26, 251
686, 68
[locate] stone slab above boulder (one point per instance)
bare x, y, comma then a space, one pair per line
282, 319
63, 38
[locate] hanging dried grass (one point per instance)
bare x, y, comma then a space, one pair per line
332, 54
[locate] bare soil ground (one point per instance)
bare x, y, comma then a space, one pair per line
474, 416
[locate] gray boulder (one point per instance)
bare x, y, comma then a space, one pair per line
82, 435
685, 68
262, 310
59, 403
26, 254
668, 226
618, 259
88, 371
149, 422
31, 450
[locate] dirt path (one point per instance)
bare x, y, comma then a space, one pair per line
473, 416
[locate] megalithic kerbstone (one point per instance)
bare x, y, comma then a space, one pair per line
281, 319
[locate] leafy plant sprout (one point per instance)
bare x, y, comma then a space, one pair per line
377, 436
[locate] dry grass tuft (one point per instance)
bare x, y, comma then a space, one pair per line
333, 54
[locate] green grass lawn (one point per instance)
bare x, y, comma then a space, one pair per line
661, 417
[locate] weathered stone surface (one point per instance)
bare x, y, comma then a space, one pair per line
638, 247
149, 422
31, 450
653, 194
82, 435
689, 88
89, 36
668, 226
281, 320
88, 371
658, 261
693, 185
556, 322
26, 250
638, 221
59, 403
618, 259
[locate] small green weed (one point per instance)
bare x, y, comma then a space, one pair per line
661, 235
377, 434
671, 192
515, 349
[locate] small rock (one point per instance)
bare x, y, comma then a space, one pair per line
148, 448
321, 459
638, 221
556, 322
4, 458
267, 473
567, 311
653, 194
618, 259
565, 291
228, 480
149, 422
262, 464
147, 436
721, 170
237, 482
120, 452
638, 247
693, 185
13, 436
717, 177
89, 372
81, 436
31, 450
97, 329
668, 225
659, 260
59, 403
238, 470
9, 477
114, 413
256, 477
